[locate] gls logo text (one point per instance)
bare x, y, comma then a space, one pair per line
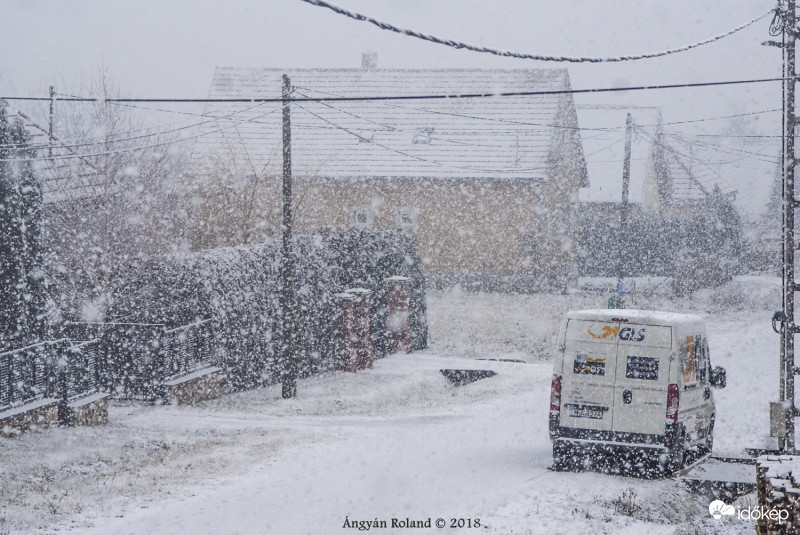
630, 334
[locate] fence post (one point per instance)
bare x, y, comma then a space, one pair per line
398, 327
355, 349
159, 356
364, 351
346, 337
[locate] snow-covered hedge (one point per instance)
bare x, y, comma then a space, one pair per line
239, 288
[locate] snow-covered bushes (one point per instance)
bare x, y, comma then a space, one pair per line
239, 288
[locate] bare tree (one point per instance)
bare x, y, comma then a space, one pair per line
227, 203
107, 194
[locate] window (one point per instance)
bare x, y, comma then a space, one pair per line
423, 136
702, 359
689, 360
361, 217
642, 368
406, 218
366, 136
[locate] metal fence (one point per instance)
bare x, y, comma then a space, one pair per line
188, 348
26, 374
80, 371
138, 358
54, 369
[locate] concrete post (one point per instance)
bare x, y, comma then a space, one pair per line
398, 327
355, 350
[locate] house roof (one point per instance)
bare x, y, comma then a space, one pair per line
693, 167
603, 134
743, 167
684, 184
503, 137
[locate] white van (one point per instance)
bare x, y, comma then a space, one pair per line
632, 381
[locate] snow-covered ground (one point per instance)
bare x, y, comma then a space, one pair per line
394, 442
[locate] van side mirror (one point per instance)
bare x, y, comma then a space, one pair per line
718, 377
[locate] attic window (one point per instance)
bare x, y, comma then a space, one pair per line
406, 218
366, 136
423, 136
361, 217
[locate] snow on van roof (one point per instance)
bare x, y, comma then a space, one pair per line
635, 316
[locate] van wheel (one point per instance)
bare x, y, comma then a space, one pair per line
562, 457
677, 455
708, 446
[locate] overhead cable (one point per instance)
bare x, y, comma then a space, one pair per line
519, 55
544, 125
256, 100
131, 149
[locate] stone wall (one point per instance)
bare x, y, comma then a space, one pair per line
199, 386
39, 414
778, 484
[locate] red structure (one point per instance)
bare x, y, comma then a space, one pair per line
398, 327
355, 352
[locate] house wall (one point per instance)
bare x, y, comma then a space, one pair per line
461, 226
464, 227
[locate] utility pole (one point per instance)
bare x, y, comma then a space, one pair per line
622, 257
784, 411
52, 111
289, 376
790, 203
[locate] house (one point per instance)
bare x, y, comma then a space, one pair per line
489, 186
679, 204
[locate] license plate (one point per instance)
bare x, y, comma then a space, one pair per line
586, 412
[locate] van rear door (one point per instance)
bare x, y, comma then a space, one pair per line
642, 361
587, 388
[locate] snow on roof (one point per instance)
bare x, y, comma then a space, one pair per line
684, 184
508, 137
742, 165
603, 135
639, 317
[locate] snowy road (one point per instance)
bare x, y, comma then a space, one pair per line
397, 441
479, 452
441, 463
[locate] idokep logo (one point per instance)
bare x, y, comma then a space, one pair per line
718, 509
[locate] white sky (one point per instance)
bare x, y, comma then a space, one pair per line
169, 48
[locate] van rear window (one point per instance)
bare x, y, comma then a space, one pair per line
589, 365
642, 368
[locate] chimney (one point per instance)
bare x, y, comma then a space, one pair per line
369, 61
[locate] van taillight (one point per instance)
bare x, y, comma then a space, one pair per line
555, 394
673, 399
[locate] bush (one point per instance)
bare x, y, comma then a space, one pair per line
239, 287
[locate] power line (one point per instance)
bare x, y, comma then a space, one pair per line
256, 100
758, 136
728, 150
543, 125
157, 130
689, 174
131, 149
518, 55
101, 141
721, 117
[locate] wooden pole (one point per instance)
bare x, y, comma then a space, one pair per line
623, 257
289, 378
789, 206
